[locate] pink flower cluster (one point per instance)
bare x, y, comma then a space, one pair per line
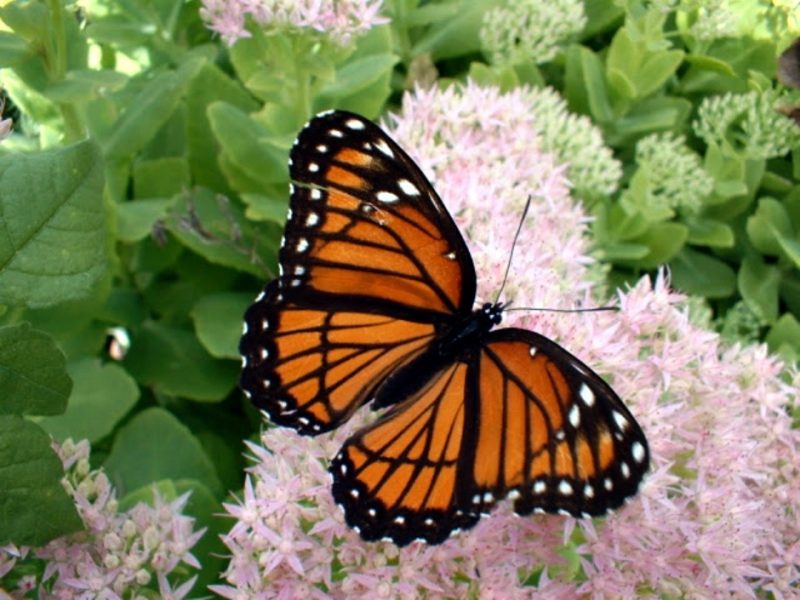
719, 513
340, 20
120, 553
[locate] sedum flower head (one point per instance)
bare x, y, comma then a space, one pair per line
748, 123
529, 30
716, 517
119, 553
340, 20
713, 19
675, 177
575, 140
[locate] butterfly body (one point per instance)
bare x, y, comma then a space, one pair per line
374, 305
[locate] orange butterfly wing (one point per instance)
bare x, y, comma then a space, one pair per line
372, 267
516, 417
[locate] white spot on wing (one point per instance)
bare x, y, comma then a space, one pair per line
312, 219
564, 488
532, 351
575, 416
586, 395
621, 421
322, 148
408, 187
588, 491
384, 147
316, 194
354, 124
302, 245
387, 197
313, 167
626, 470
638, 451
335, 133
539, 487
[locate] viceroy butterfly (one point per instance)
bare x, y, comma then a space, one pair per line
374, 303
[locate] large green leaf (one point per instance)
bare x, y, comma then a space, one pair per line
758, 285
149, 110
103, 394
248, 145
154, 445
33, 377
216, 229
703, 275
218, 321
172, 361
34, 507
53, 225
767, 225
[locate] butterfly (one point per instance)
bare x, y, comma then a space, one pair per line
374, 304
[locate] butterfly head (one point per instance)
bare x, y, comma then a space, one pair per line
492, 314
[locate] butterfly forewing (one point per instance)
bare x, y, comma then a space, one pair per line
365, 226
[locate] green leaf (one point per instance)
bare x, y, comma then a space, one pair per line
216, 229
585, 84
784, 337
358, 74
758, 284
248, 145
103, 394
767, 225
149, 110
709, 232
210, 84
13, 49
34, 507
622, 252
457, 36
153, 446
658, 113
664, 241
656, 69
54, 224
137, 218
703, 275
173, 362
160, 177
262, 207
33, 376
791, 248
218, 321
81, 85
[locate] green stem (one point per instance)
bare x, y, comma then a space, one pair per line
57, 53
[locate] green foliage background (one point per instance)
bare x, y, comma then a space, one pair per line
144, 193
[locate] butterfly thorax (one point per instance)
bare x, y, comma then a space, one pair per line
469, 332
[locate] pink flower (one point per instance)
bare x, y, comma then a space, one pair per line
119, 553
716, 516
340, 20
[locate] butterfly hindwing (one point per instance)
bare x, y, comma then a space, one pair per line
516, 417
309, 366
551, 434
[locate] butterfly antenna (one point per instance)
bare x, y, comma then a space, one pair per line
513, 245
564, 310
